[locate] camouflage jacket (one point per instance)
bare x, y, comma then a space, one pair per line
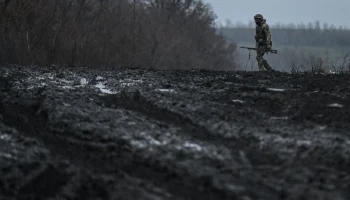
263, 34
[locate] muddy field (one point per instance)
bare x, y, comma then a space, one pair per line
151, 135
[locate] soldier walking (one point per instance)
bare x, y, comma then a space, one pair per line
263, 41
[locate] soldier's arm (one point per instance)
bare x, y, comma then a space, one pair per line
267, 31
256, 41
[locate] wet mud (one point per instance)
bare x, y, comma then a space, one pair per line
77, 133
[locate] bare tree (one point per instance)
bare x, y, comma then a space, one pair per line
316, 64
341, 64
124, 33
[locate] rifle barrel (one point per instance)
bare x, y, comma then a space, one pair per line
252, 48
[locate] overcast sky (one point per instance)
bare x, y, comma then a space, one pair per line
286, 11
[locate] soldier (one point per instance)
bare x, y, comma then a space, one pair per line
263, 41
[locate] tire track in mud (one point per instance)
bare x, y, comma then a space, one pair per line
163, 115
239, 147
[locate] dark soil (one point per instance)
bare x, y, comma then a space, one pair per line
77, 133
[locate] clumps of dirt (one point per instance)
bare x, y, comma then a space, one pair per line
76, 133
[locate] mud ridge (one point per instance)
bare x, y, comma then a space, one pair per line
138, 103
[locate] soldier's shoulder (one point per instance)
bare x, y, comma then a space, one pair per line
265, 25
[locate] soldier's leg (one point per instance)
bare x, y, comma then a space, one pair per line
259, 57
267, 66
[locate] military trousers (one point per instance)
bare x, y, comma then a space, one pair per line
262, 63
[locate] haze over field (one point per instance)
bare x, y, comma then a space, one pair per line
297, 11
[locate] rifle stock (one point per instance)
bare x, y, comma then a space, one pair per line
255, 49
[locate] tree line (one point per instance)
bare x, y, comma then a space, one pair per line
158, 34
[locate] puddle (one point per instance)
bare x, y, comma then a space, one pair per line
166, 90
335, 105
193, 146
237, 101
275, 89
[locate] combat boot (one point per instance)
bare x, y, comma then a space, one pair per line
262, 69
267, 66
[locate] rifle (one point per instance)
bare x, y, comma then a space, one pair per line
255, 49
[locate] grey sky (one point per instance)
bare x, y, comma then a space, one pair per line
285, 11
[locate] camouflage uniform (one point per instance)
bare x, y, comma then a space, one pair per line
263, 41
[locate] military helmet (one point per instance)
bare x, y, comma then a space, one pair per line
258, 16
